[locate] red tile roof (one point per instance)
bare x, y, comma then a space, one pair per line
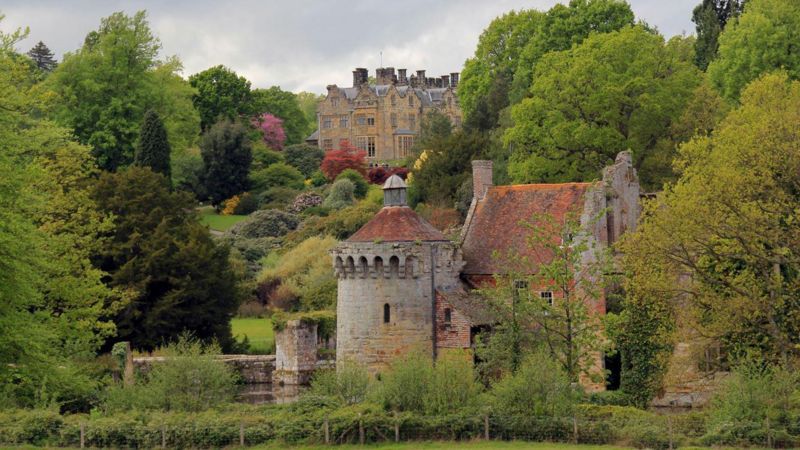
397, 224
495, 224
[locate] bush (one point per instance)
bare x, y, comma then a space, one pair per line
246, 205
265, 223
347, 157
318, 179
342, 194
538, 388
189, 379
347, 384
304, 201
276, 198
252, 309
277, 175
187, 170
359, 183
306, 158
263, 157
339, 224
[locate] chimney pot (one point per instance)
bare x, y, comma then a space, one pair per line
481, 178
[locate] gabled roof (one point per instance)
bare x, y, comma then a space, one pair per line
495, 222
397, 224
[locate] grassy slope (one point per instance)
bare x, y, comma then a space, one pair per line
217, 222
258, 331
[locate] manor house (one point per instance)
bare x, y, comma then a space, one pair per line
403, 285
383, 118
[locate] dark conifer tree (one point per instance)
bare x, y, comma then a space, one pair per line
43, 57
153, 149
227, 155
710, 18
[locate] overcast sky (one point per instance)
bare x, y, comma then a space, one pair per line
304, 44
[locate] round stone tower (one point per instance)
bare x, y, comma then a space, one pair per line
388, 273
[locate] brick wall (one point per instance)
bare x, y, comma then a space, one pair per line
456, 334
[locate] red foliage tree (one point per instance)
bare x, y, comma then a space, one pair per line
379, 175
347, 157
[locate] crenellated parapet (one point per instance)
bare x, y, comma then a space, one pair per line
395, 260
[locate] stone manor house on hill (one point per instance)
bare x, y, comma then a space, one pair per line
403, 285
383, 119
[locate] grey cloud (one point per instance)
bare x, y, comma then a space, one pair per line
307, 44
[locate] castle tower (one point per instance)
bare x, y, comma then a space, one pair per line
388, 273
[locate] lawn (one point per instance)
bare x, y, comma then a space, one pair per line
217, 222
258, 331
477, 445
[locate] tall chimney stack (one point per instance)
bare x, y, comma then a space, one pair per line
454, 80
481, 178
401, 76
421, 77
445, 81
359, 76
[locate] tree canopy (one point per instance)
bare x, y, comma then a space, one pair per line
153, 149
227, 154
284, 105
710, 18
220, 94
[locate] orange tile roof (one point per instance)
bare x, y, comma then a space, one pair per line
495, 224
397, 224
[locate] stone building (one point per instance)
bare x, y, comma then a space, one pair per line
383, 119
403, 285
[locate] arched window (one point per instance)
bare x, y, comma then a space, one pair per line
362, 262
351, 266
387, 313
379, 266
394, 266
410, 261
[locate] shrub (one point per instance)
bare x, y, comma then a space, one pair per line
539, 388
318, 179
276, 198
277, 175
377, 175
339, 224
306, 158
246, 205
265, 223
189, 379
347, 384
359, 183
347, 157
263, 157
252, 309
304, 201
229, 205
187, 170
342, 194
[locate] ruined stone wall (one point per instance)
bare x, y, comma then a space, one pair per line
456, 333
295, 353
623, 193
400, 275
253, 369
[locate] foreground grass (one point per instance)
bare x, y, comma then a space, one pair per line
217, 222
258, 331
477, 445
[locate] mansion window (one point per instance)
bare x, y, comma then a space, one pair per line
521, 288
367, 144
327, 144
365, 120
393, 119
370, 121
404, 144
546, 296
335, 102
412, 121
327, 123
344, 122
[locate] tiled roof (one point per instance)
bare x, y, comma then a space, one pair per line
471, 304
495, 222
397, 224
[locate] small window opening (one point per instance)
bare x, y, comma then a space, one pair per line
387, 313
547, 296
448, 316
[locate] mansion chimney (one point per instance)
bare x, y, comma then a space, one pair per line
421, 77
360, 76
454, 79
445, 81
401, 76
481, 178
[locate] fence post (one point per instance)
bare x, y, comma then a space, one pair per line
396, 428
83, 435
360, 430
669, 428
241, 434
486, 427
575, 428
327, 429
163, 436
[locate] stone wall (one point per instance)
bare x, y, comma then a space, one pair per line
295, 353
399, 277
253, 369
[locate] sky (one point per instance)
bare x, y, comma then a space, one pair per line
304, 45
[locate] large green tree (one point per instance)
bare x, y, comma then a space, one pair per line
308, 102
104, 89
710, 18
285, 106
227, 154
306, 158
221, 94
616, 91
764, 39
721, 246
179, 279
153, 149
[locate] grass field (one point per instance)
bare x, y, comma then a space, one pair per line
215, 221
478, 445
258, 331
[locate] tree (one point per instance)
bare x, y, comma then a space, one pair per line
43, 57
306, 158
277, 175
346, 157
433, 127
308, 101
104, 89
285, 106
272, 131
359, 182
226, 154
720, 246
614, 92
179, 278
710, 18
221, 94
763, 40
153, 150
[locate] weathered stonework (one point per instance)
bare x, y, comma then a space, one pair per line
295, 353
253, 369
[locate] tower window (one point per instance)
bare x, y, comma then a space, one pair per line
387, 313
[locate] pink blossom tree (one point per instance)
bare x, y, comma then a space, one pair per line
272, 129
